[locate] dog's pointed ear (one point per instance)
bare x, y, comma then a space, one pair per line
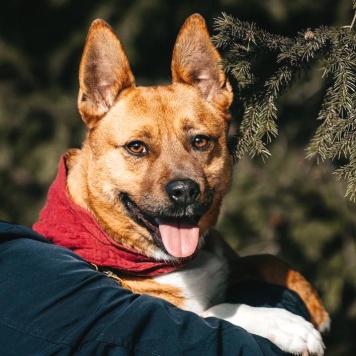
197, 62
104, 72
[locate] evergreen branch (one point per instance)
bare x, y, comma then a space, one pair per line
348, 172
354, 19
332, 49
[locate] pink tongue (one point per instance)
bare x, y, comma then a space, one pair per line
179, 239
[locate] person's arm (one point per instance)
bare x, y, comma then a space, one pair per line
53, 302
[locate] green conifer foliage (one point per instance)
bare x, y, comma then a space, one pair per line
332, 50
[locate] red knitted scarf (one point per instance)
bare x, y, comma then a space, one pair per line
71, 226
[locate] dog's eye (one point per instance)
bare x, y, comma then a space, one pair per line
201, 142
137, 148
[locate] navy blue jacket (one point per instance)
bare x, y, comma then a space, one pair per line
54, 303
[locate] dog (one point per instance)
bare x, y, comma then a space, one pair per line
150, 178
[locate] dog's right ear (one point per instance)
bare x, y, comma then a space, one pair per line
104, 72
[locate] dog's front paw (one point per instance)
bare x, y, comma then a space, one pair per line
288, 331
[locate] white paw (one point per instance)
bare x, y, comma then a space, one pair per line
288, 331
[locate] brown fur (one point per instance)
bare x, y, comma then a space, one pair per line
151, 287
165, 118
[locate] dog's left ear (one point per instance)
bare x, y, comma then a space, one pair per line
104, 72
196, 62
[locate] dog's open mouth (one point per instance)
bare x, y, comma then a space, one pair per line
179, 236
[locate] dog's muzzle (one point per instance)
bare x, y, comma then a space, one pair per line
173, 227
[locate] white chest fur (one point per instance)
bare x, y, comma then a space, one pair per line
202, 281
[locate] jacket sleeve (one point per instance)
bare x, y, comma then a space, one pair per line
54, 303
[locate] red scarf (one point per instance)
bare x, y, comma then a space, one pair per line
69, 225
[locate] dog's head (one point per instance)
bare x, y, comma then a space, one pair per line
155, 164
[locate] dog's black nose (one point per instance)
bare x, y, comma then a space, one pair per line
183, 192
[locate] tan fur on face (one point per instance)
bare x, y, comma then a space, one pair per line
165, 118
146, 114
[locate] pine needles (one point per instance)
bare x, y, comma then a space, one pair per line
332, 49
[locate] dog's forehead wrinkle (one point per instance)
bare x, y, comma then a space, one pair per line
144, 132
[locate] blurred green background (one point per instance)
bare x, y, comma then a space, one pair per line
287, 206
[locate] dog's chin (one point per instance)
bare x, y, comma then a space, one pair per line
157, 223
